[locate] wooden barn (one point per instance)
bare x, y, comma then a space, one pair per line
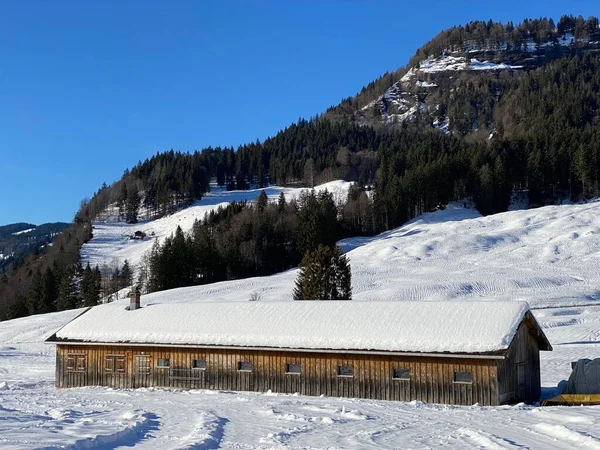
441, 352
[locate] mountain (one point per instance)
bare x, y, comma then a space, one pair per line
18, 240
463, 81
485, 113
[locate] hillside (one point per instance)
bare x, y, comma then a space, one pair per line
18, 240
112, 241
548, 256
462, 81
485, 112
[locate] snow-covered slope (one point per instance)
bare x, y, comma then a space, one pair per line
548, 256
111, 243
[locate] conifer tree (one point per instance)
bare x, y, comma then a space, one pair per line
132, 206
126, 274
281, 202
324, 275
18, 308
68, 291
91, 284
35, 294
262, 201
50, 291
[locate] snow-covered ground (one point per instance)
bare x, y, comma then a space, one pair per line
548, 256
23, 231
111, 243
448, 63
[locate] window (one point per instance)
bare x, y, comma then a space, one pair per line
114, 364
293, 369
401, 374
345, 371
244, 366
463, 377
76, 362
163, 363
199, 364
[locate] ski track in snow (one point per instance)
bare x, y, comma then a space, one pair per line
547, 256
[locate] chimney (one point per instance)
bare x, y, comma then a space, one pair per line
134, 298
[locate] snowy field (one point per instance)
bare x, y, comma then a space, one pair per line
547, 256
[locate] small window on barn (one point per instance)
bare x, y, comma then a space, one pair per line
345, 371
109, 364
81, 363
76, 362
463, 377
199, 364
244, 366
401, 374
120, 364
163, 363
114, 364
293, 369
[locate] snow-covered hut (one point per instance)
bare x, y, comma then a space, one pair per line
441, 352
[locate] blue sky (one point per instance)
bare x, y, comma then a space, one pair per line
88, 88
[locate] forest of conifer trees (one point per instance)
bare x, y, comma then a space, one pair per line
544, 146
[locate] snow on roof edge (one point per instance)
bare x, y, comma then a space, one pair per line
405, 327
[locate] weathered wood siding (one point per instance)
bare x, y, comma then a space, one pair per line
519, 372
431, 378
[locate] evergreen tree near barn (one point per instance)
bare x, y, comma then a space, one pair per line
324, 275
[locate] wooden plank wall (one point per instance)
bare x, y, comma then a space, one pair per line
523, 355
431, 379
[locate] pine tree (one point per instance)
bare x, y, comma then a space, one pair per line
281, 202
35, 293
68, 291
17, 308
91, 285
126, 274
262, 201
122, 199
50, 292
324, 275
132, 205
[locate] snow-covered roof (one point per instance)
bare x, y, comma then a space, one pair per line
428, 327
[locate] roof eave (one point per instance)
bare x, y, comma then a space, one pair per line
543, 342
53, 339
496, 354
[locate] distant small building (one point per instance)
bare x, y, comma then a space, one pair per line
441, 352
139, 235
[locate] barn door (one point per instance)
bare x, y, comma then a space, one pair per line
142, 371
522, 391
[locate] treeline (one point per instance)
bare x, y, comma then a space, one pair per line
60, 257
16, 245
494, 36
61, 288
562, 96
316, 150
244, 240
